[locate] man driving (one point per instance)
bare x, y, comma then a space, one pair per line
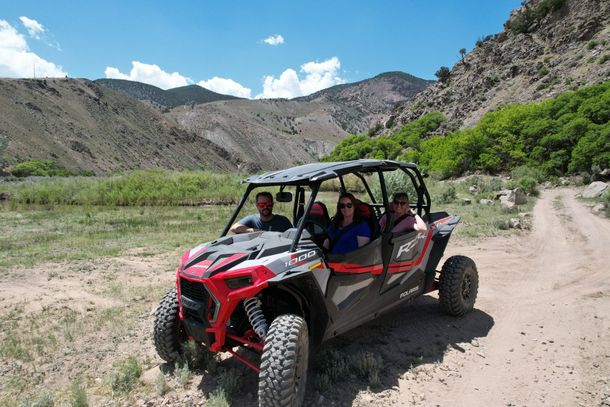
265, 220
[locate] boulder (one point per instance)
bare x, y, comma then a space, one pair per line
595, 189
486, 202
502, 193
599, 209
466, 201
514, 223
516, 196
507, 203
474, 189
5, 196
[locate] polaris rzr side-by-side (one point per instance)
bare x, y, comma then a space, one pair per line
279, 294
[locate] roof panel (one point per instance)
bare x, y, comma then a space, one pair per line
308, 173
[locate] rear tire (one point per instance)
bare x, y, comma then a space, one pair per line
458, 286
169, 334
284, 363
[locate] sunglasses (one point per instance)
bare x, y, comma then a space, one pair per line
346, 205
264, 205
401, 203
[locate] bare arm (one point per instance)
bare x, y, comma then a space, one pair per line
362, 240
420, 226
239, 228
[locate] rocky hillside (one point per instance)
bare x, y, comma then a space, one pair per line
275, 133
163, 99
547, 47
371, 98
84, 126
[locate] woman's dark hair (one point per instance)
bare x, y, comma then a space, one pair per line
337, 220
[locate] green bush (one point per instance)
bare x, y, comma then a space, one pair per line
126, 375
217, 398
445, 194
44, 399
40, 168
78, 395
528, 184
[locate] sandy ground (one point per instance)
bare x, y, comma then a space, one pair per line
539, 336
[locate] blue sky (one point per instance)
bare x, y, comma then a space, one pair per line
221, 44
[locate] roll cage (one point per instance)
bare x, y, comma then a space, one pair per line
312, 176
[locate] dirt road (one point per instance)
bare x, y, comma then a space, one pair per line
548, 296
540, 333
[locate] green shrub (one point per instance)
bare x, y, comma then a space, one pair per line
195, 355
182, 373
368, 366
230, 382
41, 168
78, 395
44, 399
161, 386
445, 194
217, 398
126, 375
501, 224
528, 184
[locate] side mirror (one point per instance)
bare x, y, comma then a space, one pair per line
283, 196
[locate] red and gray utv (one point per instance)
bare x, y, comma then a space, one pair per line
280, 294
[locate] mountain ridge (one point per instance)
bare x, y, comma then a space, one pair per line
88, 125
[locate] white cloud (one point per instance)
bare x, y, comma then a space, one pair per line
318, 76
39, 32
151, 74
226, 87
35, 29
274, 40
16, 59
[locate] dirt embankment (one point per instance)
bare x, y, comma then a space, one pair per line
539, 334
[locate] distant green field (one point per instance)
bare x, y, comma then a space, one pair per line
36, 233
136, 188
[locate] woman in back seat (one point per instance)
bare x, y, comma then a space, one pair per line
403, 218
347, 231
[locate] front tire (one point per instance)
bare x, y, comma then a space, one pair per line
459, 285
169, 334
284, 363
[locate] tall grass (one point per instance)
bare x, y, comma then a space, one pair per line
137, 188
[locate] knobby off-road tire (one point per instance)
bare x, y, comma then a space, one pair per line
284, 363
169, 334
458, 286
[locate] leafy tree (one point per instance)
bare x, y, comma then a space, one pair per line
443, 74
462, 55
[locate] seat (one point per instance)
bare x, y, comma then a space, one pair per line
365, 212
318, 222
319, 214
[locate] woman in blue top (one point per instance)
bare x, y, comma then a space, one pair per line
347, 231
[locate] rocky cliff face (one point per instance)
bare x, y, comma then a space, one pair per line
548, 47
